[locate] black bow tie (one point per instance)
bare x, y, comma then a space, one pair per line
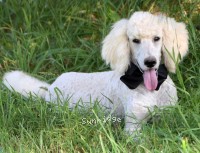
133, 76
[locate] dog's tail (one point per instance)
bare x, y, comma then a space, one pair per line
24, 84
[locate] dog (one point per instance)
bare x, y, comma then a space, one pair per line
141, 51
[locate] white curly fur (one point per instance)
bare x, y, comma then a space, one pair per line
118, 51
118, 47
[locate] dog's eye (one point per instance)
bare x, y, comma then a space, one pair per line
137, 41
156, 38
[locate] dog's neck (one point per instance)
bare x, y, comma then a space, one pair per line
134, 76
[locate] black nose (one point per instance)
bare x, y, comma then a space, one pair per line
150, 61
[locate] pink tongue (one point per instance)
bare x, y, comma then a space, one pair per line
150, 79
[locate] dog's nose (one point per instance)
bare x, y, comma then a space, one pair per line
150, 61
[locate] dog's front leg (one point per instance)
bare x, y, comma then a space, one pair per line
135, 114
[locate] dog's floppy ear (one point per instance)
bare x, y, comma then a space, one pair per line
116, 50
175, 42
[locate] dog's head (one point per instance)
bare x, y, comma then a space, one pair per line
144, 39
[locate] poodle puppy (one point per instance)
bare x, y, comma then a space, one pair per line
141, 51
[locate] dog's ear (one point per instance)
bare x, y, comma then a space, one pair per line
116, 50
175, 42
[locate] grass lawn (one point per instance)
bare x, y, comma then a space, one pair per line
47, 38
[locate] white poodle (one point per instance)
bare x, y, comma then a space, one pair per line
135, 49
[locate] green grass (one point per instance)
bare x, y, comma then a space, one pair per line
47, 38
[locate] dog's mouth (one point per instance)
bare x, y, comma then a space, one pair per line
150, 77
